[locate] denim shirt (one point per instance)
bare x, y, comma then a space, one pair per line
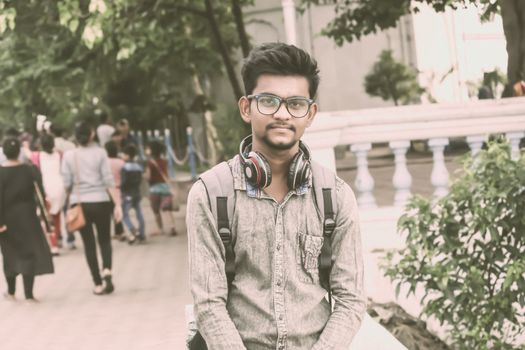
275, 300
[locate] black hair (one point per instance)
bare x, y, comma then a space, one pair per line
279, 59
83, 132
48, 143
11, 148
56, 130
12, 132
112, 149
157, 148
131, 151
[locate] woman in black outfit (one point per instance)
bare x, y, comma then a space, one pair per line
24, 246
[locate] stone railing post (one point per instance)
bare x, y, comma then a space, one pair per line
475, 143
439, 177
514, 139
364, 182
402, 179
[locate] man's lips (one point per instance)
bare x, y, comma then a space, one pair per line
280, 126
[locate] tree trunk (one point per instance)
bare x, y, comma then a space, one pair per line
223, 51
513, 17
241, 30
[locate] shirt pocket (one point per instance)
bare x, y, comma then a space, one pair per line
308, 251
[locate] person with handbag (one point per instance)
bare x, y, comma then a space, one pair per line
24, 246
91, 187
160, 192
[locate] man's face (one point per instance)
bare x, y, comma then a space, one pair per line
279, 131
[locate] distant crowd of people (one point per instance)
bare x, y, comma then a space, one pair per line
42, 176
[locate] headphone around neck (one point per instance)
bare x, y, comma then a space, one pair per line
258, 172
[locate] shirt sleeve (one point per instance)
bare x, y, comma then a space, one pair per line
105, 170
67, 171
346, 277
208, 276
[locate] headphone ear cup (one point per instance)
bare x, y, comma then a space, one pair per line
298, 171
257, 170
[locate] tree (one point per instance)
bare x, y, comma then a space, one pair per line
392, 80
353, 19
142, 60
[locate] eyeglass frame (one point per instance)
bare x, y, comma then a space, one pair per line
281, 100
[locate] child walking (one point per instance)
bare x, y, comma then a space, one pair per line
159, 188
131, 178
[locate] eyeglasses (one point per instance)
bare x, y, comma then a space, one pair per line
268, 104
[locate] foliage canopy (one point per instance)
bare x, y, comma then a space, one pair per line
392, 80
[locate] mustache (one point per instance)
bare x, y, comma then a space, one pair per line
280, 125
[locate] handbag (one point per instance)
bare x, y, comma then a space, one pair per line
75, 219
169, 202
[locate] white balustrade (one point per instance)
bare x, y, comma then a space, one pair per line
475, 143
402, 179
364, 181
439, 177
514, 139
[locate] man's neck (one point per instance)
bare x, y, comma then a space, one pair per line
278, 160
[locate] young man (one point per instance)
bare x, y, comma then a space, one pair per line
276, 300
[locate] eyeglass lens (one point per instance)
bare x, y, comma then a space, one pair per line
298, 107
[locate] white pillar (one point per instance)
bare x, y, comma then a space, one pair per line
514, 139
439, 177
402, 179
364, 182
475, 143
290, 27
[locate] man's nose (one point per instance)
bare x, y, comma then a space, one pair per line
282, 112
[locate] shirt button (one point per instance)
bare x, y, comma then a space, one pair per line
278, 283
278, 247
281, 317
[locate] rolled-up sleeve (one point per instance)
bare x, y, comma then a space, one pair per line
207, 274
346, 277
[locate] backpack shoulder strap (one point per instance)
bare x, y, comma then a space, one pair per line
221, 195
324, 181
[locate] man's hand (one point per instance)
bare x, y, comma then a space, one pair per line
3, 228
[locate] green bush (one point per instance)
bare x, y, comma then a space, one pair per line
467, 251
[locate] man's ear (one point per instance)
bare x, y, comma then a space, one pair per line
244, 109
311, 114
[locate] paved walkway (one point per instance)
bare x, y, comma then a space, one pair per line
146, 311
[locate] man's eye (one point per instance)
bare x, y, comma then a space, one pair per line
268, 101
297, 104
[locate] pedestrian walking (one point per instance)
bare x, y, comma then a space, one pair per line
116, 164
105, 130
24, 247
160, 193
267, 289
48, 161
131, 176
88, 179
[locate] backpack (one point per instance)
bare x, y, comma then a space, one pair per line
218, 182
